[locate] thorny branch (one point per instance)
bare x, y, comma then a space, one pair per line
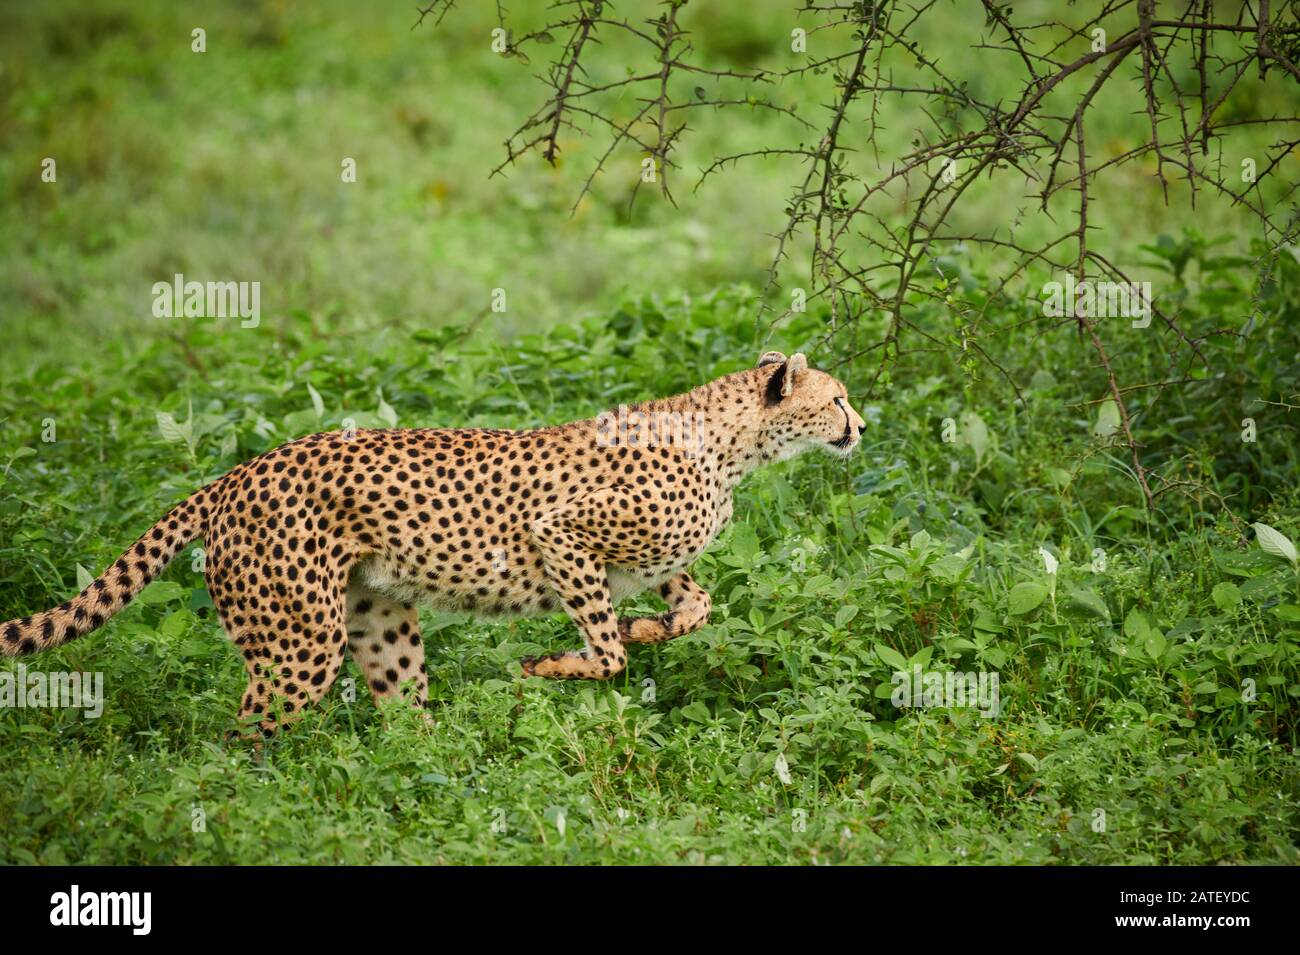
873, 274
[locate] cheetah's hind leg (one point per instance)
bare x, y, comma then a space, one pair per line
292, 656
384, 639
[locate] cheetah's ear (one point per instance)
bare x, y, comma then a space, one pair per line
786, 376
794, 369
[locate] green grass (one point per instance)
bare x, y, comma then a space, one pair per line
227, 164
1122, 695
770, 736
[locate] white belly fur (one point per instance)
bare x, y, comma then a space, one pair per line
379, 577
624, 584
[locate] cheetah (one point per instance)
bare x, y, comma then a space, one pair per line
329, 542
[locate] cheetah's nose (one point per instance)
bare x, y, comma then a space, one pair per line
862, 429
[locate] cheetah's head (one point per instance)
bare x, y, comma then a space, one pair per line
806, 408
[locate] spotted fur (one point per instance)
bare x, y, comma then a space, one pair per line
330, 541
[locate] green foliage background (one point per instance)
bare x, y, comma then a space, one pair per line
770, 736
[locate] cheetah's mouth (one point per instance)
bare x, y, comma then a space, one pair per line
844, 444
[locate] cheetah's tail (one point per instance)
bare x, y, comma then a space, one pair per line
115, 587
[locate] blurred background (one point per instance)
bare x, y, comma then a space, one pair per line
226, 164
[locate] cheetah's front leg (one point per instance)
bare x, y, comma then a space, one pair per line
577, 575
689, 610
582, 585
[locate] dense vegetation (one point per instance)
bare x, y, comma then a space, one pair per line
1149, 685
